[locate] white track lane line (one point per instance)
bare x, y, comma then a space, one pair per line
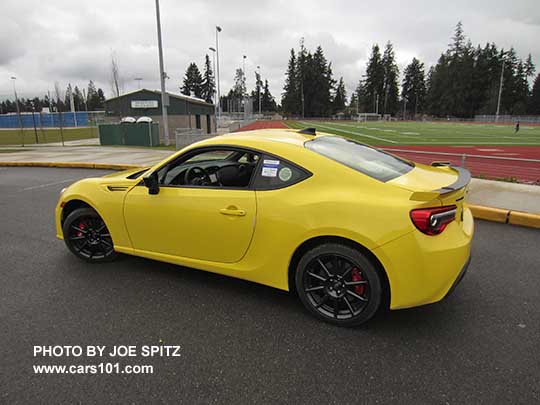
351, 132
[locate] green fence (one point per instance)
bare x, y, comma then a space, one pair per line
139, 134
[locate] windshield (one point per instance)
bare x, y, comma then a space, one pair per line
365, 159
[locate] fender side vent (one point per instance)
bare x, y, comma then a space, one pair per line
117, 188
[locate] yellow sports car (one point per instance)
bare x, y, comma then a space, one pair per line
350, 228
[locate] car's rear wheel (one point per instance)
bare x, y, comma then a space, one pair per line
87, 236
338, 284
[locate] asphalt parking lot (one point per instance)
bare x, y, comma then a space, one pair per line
242, 342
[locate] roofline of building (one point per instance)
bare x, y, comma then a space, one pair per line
158, 92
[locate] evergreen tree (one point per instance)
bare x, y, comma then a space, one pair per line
414, 87
91, 96
100, 100
289, 99
373, 83
256, 94
340, 97
78, 99
193, 82
208, 85
268, 104
320, 83
390, 86
239, 88
534, 100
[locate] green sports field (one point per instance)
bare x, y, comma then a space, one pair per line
426, 133
47, 135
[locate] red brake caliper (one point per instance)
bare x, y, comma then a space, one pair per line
81, 226
357, 276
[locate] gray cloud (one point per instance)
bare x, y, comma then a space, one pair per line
65, 41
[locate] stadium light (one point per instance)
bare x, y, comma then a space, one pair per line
500, 88
218, 30
13, 78
260, 90
138, 80
162, 76
214, 74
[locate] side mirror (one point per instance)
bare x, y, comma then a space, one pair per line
151, 181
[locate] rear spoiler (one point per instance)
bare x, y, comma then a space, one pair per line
464, 178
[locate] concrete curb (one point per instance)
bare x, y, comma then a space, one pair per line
503, 216
506, 216
72, 165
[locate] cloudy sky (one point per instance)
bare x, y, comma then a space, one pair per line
42, 42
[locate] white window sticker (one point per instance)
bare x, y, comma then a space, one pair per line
285, 174
270, 162
269, 171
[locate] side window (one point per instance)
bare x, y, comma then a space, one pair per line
210, 168
273, 173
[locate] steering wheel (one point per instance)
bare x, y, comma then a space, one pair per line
196, 176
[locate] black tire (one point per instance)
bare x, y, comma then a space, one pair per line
339, 284
87, 236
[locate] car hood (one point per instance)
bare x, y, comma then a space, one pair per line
125, 173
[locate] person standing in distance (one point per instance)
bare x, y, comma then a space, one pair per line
517, 127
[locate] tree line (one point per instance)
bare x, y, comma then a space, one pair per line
464, 82
203, 86
91, 99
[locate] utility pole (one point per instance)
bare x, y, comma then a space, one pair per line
18, 110
162, 75
500, 92
302, 95
34, 121
138, 80
218, 30
260, 90
214, 75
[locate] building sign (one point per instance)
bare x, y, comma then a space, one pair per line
144, 104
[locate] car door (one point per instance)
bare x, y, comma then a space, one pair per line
204, 222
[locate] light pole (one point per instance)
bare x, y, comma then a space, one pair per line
163, 75
500, 91
214, 74
260, 89
34, 120
13, 78
244, 96
218, 30
138, 80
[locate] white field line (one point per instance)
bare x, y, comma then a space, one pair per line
349, 132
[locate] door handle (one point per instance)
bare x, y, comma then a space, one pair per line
233, 211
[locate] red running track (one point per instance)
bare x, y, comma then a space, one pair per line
263, 125
523, 171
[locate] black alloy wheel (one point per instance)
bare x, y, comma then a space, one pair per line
87, 236
338, 284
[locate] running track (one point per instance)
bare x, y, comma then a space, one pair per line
480, 166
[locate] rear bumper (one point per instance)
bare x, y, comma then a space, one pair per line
422, 269
459, 278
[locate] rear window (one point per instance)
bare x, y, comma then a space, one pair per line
365, 159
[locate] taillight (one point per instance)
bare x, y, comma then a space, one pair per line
432, 221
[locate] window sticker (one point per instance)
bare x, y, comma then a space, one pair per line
285, 174
270, 168
269, 171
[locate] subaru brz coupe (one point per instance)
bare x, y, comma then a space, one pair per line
351, 229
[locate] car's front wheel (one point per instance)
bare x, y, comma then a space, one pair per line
338, 284
87, 236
